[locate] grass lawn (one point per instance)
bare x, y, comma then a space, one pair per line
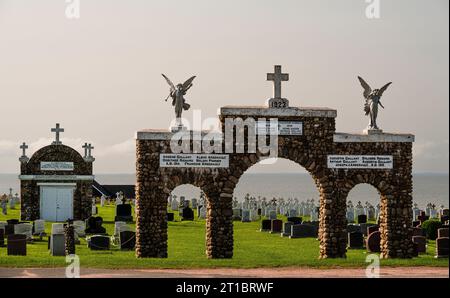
187, 250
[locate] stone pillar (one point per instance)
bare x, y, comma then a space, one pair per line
333, 241
219, 227
151, 205
69, 239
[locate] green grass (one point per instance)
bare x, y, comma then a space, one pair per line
187, 250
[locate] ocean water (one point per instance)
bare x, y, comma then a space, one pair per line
428, 188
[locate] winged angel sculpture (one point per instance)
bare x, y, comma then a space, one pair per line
177, 94
373, 98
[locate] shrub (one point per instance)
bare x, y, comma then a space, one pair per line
431, 227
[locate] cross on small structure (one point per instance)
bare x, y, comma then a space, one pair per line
87, 150
277, 77
24, 147
57, 130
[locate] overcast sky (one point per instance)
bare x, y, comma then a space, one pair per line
100, 75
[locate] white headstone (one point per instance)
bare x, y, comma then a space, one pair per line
202, 213
174, 205
39, 226
57, 228
245, 215
102, 200
272, 214
80, 228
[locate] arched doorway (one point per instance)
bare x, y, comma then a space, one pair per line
185, 235
281, 188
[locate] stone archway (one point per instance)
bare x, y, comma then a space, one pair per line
314, 145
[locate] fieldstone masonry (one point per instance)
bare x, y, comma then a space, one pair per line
310, 150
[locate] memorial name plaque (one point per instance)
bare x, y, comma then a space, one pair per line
360, 161
194, 160
285, 128
56, 166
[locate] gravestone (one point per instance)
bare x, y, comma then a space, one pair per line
442, 247
80, 228
245, 216
57, 245
24, 229
99, 242
362, 218
39, 227
293, 213
272, 215
202, 212
94, 225
170, 216
421, 243
17, 245
57, 228
188, 214
353, 228
266, 225
423, 217
355, 239
303, 231
287, 229
350, 215
373, 242
370, 228
123, 213
194, 203
276, 226
295, 220
254, 215
443, 233
236, 214
174, 205
118, 225
127, 240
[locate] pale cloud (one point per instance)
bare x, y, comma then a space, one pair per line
431, 150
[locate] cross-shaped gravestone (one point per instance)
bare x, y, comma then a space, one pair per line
24, 147
278, 77
57, 130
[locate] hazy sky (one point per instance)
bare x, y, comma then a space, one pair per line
100, 75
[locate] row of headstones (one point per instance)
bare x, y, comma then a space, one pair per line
422, 215
293, 228
249, 215
368, 235
64, 236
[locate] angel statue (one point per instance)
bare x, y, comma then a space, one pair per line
373, 98
177, 94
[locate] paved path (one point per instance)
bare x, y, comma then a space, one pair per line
227, 273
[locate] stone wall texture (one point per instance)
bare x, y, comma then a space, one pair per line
310, 150
30, 190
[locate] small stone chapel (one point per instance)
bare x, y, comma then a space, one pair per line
56, 182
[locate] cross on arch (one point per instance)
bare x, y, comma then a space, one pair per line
277, 77
24, 147
57, 130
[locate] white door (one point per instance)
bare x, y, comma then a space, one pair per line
56, 203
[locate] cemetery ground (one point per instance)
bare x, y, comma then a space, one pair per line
186, 249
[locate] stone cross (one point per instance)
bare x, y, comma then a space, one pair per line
57, 130
24, 147
277, 77
88, 149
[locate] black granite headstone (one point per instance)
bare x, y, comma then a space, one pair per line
295, 220
362, 218
188, 214
17, 245
123, 213
266, 224
355, 240
99, 242
127, 240
170, 216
